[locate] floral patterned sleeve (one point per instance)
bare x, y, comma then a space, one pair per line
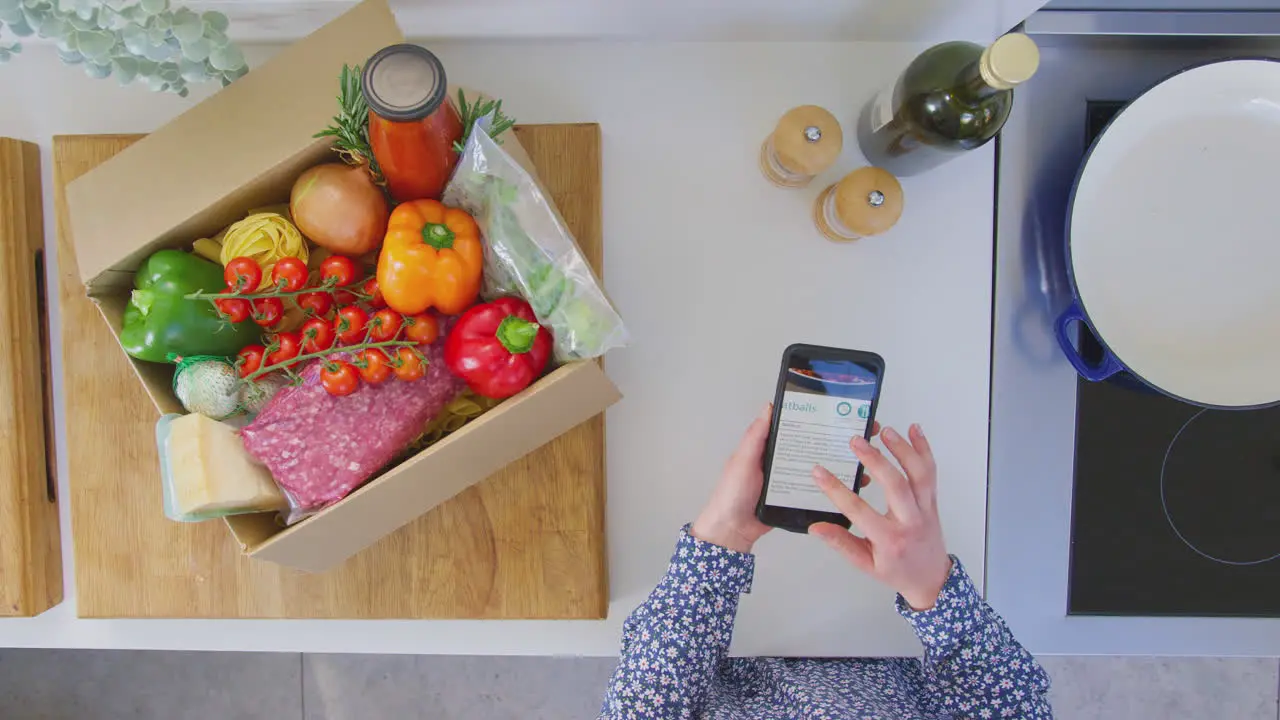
973, 666
674, 642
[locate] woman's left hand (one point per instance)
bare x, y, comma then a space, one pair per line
729, 518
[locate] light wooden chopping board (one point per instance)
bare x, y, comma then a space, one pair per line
527, 542
30, 553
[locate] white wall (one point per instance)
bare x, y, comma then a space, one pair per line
978, 20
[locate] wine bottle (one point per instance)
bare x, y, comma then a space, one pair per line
954, 97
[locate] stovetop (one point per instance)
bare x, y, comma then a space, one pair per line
1176, 509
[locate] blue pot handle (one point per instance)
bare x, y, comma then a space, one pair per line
1107, 367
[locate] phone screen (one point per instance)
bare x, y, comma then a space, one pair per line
825, 403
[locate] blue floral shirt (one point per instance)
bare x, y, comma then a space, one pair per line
673, 661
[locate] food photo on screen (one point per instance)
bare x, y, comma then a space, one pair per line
840, 378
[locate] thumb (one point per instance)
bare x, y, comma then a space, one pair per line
751, 447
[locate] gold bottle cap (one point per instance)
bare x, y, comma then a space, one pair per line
867, 201
806, 141
1011, 60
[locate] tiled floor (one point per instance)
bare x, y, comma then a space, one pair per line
87, 685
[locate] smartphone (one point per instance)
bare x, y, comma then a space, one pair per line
825, 397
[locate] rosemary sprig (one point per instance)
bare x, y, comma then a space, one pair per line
471, 112
350, 128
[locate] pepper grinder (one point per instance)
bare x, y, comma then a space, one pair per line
867, 201
805, 142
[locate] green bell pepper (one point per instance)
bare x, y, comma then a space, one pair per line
159, 320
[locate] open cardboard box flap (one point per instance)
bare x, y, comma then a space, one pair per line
199, 172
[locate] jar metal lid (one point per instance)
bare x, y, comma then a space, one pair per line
404, 82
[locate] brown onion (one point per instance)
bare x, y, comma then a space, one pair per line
339, 207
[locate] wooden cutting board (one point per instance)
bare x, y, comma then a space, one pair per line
527, 542
30, 549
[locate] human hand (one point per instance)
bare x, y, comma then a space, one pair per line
729, 518
903, 548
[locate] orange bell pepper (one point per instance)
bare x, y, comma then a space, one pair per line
431, 257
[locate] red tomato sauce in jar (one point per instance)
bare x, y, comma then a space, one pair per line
412, 123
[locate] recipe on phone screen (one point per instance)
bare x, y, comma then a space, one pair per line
815, 429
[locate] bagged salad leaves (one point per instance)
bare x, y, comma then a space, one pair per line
529, 252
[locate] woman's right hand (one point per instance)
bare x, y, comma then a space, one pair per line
903, 548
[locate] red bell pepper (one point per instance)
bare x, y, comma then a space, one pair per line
498, 348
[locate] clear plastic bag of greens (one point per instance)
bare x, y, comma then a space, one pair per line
528, 250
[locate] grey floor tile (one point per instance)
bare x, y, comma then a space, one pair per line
1102, 688
117, 684
408, 687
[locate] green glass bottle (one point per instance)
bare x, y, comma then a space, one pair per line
954, 97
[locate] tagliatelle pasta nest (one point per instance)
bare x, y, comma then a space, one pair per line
267, 237
458, 412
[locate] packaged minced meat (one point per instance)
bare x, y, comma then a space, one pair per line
319, 447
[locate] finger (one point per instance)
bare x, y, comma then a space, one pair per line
920, 442
855, 549
865, 479
849, 504
928, 484
917, 468
902, 502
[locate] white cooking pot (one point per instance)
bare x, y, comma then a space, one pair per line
1173, 238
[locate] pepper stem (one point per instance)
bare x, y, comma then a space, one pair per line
517, 334
142, 300
437, 235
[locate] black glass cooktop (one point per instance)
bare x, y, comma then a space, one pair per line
1176, 509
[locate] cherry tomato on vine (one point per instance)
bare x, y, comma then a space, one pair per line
344, 297
409, 364
289, 275
234, 309
288, 346
242, 275
339, 378
385, 325
373, 365
349, 324
370, 288
317, 335
339, 269
315, 303
421, 329
267, 311
249, 359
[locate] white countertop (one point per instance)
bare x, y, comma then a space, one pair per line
715, 272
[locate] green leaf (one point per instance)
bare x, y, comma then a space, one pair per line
95, 44
227, 57
126, 69
215, 21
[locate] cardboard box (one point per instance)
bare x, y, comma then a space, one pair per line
242, 148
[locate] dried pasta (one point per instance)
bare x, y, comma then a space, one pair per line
267, 237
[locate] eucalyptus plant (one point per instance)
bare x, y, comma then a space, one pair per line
144, 41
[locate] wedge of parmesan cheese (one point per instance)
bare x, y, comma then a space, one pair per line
212, 473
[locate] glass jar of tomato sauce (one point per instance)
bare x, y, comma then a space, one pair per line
412, 123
